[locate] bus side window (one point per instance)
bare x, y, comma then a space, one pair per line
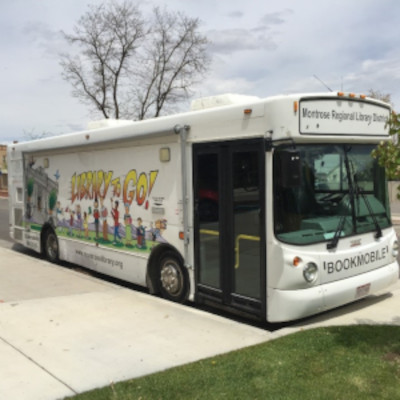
19, 195
290, 165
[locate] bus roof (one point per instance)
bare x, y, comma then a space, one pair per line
232, 116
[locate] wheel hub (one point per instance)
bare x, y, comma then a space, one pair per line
170, 279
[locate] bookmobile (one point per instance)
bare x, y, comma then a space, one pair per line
269, 207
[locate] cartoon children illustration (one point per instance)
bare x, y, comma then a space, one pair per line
158, 230
128, 225
71, 221
103, 218
115, 215
141, 234
79, 219
86, 224
59, 212
96, 216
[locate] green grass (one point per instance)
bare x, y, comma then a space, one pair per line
355, 362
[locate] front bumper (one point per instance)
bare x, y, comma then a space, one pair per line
288, 305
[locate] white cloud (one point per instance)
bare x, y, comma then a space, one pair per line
236, 14
276, 18
217, 85
232, 40
380, 75
47, 40
260, 48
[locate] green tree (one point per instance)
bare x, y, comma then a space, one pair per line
388, 152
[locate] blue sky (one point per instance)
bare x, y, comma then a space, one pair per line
259, 47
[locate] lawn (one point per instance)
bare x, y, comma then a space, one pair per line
353, 362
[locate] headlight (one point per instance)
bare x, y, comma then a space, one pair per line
395, 249
310, 272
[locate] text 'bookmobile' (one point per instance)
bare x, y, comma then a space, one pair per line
270, 207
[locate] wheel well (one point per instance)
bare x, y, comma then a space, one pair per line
153, 264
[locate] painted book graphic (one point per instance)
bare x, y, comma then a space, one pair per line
99, 207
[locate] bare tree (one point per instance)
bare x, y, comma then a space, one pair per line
32, 135
175, 58
129, 68
107, 36
376, 94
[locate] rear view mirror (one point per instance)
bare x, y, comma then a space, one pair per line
290, 164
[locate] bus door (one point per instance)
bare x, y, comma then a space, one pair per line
229, 205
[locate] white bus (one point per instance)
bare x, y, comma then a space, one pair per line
269, 207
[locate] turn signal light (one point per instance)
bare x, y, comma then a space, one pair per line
296, 261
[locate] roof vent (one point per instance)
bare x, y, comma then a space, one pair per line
221, 100
108, 123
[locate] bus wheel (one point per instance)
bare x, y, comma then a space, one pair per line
173, 278
51, 246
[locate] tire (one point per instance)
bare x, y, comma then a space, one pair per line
173, 278
50, 246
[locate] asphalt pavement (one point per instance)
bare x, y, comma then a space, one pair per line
64, 332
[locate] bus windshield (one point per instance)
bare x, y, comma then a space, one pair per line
339, 190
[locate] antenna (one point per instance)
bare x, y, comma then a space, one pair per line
316, 77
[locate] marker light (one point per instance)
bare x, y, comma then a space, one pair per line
352, 95
248, 111
363, 96
310, 272
395, 249
295, 106
340, 94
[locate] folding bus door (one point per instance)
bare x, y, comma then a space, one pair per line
229, 196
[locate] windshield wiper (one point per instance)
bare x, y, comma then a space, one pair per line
333, 244
354, 190
335, 240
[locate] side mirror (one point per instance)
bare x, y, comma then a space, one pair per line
290, 165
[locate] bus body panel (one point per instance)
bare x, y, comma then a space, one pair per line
346, 261
139, 164
15, 193
105, 261
76, 192
286, 305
